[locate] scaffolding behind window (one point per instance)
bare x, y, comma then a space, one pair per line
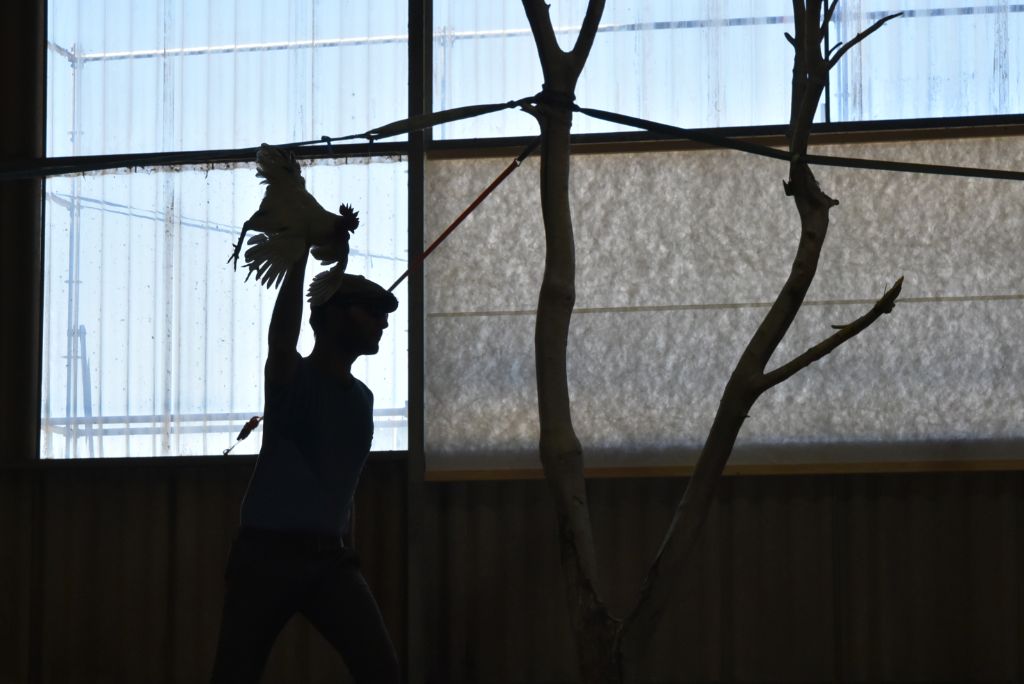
153, 345
724, 63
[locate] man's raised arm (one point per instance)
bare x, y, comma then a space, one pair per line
285, 324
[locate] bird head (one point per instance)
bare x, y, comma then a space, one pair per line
348, 218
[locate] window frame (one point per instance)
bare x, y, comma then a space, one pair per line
349, 151
418, 149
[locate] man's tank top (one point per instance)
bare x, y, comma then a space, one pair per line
316, 437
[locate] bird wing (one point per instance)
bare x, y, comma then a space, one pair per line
284, 199
286, 203
325, 284
289, 211
270, 256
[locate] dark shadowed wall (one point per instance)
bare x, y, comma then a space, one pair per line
797, 579
114, 574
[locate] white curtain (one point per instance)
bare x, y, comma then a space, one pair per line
678, 256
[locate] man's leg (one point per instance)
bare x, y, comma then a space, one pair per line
257, 604
344, 611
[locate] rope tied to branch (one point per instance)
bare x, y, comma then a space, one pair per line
553, 103
556, 99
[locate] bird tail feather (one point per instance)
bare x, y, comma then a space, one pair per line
324, 285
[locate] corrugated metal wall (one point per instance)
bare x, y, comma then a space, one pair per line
115, 575
843, 578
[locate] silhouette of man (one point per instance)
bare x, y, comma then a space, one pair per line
289, 556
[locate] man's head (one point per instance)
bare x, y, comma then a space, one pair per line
353, 319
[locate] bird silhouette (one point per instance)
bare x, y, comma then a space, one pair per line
288, 222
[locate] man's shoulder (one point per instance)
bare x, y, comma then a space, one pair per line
364, 390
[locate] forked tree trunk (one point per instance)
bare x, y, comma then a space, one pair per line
594, 629
750, 379
609, 649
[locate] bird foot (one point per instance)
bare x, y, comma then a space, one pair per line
233, 259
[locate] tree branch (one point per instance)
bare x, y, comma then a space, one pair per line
538, 13
561, 454
859, 37
810, 71
749, 379
828, 17
798, 12
846, 332
588, 31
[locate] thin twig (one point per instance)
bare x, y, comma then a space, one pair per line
828, 17
859, 37
538, 13
588, 31
882, 306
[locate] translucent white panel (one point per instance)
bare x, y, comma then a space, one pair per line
197, 74
727, 63
722, 63
940, 59
153, 344
678, 256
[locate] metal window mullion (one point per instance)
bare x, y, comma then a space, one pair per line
75, 216
420, 87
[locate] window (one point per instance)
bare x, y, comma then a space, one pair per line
137, 293
725, 63
678, 254
153, 345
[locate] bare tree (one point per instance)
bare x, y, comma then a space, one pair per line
608, 647
560, 451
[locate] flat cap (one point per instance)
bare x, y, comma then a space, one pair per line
355, 289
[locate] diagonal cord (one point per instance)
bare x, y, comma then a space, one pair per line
56, 166
53, 166
817, 159
416, 263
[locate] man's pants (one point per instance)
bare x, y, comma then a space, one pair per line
269, 579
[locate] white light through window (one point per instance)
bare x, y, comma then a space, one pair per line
153, 345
